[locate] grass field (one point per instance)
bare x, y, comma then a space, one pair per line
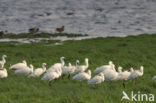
132, 51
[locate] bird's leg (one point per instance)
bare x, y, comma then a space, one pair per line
50, 83
124, 84
69, 76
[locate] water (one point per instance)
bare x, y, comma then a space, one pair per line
93, 17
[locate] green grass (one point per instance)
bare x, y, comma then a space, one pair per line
40, 35
130, 51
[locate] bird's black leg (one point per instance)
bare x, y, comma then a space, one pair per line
50, 83
124, 84
69, 76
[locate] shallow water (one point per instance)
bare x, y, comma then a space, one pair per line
93, 17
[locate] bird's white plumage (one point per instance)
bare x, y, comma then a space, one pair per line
19, 65
105, 68
112, 75
124, 75
39, 71
25, 71
82, 68
82, 76
154, 78
57, 65
66, 70
97, 79
51, 75
3, 61
3, 73
136, 73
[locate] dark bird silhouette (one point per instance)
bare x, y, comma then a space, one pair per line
60, 30
2, 33
33, 30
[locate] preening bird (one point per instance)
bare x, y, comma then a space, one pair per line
105, 68
25, 71
3, 61
57, 65
97, 79
82, 76
19, 65
82, 68
39, 71
51, 76
3, 73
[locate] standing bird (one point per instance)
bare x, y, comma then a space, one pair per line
52, 75
136, 73
60, 30
39, 71
57, 65
3, 61
112, 75
97, 79
33, 30
19, 65
124, 75
82, 68
25, 71
3, 73
82, 76
68, 70
105, 68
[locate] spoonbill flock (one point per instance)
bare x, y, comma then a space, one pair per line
79, 72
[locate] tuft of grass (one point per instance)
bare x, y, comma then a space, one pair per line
132, 51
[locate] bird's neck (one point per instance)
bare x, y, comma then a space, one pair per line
3, 59
87, 64
44, 68
62, 62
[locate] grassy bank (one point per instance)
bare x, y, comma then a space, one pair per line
40, 35
130, 51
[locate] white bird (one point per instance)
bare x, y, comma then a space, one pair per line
124, 75
3, 61
39, 71
154, 78
51, 76
68, 70
97, 79
3, 73
112, 75
105, 68
25, 71
136, 73
57, 65
19, 65
82, 76
82, 68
